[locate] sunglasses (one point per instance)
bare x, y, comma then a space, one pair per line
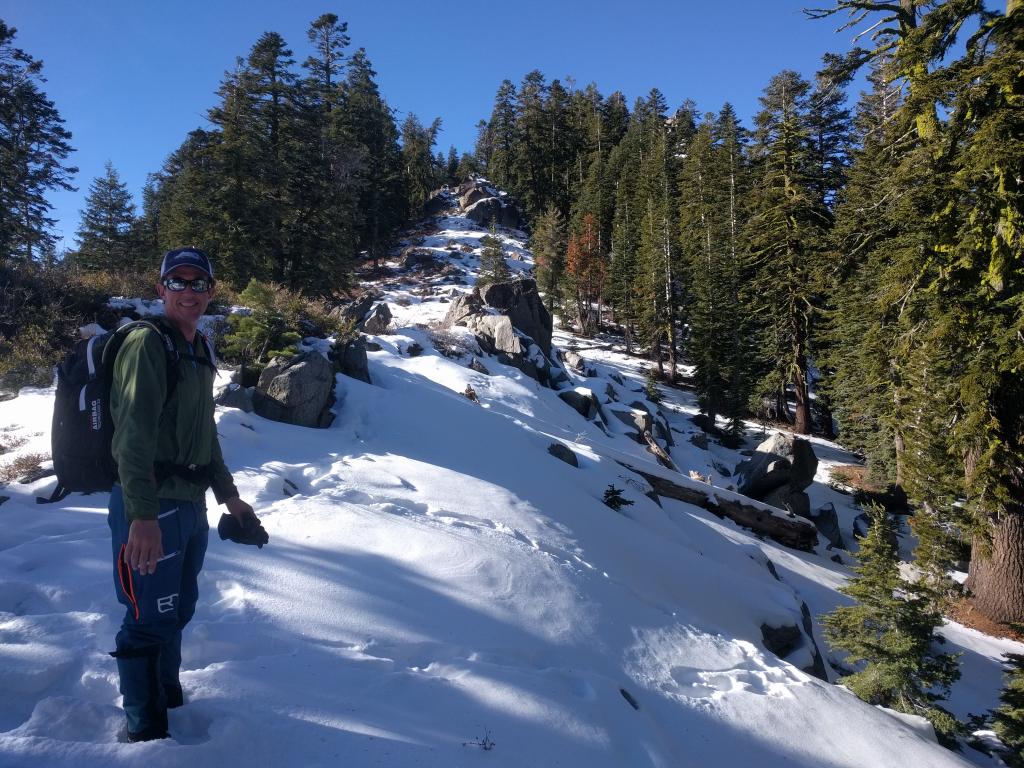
179, 284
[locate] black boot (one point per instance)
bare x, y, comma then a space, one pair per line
145, 705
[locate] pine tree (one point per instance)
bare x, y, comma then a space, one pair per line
585, 274
548, 245
373, 162
34, 146
104, 235
501, 138
786, 232
493, 268
1009, 718
713, 181
890, 634
954, 273
421, 176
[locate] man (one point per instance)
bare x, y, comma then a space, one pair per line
167, 454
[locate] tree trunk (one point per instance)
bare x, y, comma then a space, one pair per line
996, 582
802, 416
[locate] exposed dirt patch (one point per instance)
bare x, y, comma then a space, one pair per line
963, 612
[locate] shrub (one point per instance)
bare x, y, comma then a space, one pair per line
613, 498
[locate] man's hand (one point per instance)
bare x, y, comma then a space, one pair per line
242, 525
144, 548
241, 511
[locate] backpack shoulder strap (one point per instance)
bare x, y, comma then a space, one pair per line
173, 357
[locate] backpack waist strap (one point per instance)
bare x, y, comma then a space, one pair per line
200, 474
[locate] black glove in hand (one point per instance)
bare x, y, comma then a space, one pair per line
251, 532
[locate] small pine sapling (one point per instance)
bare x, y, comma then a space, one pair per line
493, 268
651, 390
1008, 720
890, 634
613, 498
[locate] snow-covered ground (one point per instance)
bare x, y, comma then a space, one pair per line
439, 590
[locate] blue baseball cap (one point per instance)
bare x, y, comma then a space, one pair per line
186, 257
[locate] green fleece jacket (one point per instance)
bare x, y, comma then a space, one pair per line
145, 431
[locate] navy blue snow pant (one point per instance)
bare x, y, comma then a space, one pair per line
159, 606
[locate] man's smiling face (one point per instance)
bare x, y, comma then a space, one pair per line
184, 308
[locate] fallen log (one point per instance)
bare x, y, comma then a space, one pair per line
783, 527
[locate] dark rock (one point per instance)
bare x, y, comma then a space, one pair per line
783, 640
583, 401
560, 451
437, 203
413, 258
479, 367
297, 390
827, 522
378, 320
414, 350
817, 667
4, 498
235, 396
610, 393
502, 213
637, 419
800, 454
472, 195
700, 439
354, 311
350, 358
762, 473
786, 498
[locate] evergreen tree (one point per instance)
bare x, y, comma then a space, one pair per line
493, 268
501, 138
713, 181
890, 634
585, 274
954, 276
34, 146
786, 232
374, 158
548, 244
1009, 717
105, 232
529, 172
421, 173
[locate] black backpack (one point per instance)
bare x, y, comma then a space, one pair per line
82, 425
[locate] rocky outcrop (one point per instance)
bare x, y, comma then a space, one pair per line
803, 462
496, 211
377, 321
438, 202
349, 358
510, 322
296, 390
356, 310
521, 303
777, 474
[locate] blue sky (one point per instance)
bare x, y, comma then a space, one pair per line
132, 77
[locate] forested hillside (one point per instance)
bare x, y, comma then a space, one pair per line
870, 253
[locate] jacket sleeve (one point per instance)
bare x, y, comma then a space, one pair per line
220, 476
137, 396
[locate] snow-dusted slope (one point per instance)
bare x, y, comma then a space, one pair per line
440, 591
